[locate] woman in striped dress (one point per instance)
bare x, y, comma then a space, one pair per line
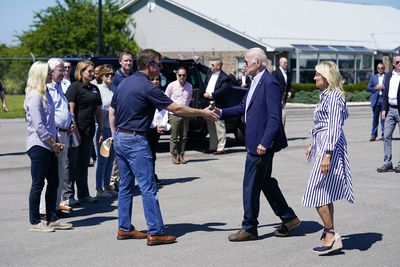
330, 179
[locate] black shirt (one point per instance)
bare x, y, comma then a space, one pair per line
86, 99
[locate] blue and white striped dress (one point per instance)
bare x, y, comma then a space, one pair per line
328, 135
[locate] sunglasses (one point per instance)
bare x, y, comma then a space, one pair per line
182, 75
381, 68
111, 74
157, 64
397, 62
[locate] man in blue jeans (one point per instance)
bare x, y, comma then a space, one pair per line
131, 112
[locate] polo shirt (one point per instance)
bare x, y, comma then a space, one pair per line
86, 98
135, 102
118, 78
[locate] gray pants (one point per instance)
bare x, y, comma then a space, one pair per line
392, 118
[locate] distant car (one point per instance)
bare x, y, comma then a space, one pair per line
196, 76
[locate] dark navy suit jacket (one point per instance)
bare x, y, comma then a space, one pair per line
263, 117
371, 88
385, 104
221, 86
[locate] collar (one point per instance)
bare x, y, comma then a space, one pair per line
395, 73
257, 78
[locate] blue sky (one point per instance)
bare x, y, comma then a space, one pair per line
17, 15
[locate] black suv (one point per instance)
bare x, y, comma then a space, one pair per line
196, 76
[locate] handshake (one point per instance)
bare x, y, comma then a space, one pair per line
211, 113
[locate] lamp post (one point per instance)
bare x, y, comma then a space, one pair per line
99, 29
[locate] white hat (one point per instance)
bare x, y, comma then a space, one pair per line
105, 147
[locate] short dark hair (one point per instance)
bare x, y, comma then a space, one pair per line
124, 53
147, 56
104, 69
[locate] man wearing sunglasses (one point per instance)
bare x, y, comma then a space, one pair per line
376, 88
390, 113
130, 114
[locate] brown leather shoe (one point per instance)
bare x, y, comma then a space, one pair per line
134, 234
285, 228
153, 240
182, 159
242, 235
65, 208
175, 159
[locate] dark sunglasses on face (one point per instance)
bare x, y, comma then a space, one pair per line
397, 62
381, 68
182, 75
157, 64
111, 74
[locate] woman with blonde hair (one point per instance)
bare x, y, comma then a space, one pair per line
330, 179
42, 148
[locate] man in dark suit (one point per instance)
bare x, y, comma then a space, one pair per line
282, 75
376, 88
264, 136
217, 83
391, 114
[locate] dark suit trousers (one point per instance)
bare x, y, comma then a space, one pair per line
376, 117
257, 177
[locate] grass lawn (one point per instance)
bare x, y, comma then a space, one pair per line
15, 104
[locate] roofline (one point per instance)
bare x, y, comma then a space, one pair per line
268, 48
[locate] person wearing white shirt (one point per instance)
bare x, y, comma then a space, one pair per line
390, 113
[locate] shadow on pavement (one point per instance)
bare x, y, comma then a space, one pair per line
180, 229
361, 242
306, 227
12, 154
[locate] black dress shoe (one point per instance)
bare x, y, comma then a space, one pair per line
242, 235
209, 151
397, 169
373, 138
385, 168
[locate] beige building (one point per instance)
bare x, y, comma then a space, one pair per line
305, 31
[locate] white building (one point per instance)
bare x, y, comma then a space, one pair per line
356, 36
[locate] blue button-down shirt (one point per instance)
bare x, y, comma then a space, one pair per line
62, 115
40, 120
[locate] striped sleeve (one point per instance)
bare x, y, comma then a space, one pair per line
335, 122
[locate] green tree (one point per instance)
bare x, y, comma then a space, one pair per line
70, 28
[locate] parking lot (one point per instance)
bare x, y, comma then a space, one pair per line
201, 204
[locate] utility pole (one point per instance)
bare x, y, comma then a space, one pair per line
99, 29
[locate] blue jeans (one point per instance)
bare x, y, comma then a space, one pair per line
376, 117
392, 118
135, 162
104, 165
44, 165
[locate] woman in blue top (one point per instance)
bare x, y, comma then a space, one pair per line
330, 179
42, 148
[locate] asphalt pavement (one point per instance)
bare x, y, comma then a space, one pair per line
201, 204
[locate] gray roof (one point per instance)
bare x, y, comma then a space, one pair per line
284, 23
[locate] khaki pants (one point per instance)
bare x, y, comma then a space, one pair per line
217, 133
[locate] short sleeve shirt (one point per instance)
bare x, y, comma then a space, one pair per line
135, 102
86, 98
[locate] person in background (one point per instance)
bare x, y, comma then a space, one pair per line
265, 136
217, 84
42, 148
180, 91
66, 82
157, 127
131, 112
284, 79
3, 98
104, 165
96, 75
330, 178
126, 63
391, 114
85, 103
245, 79
376, 88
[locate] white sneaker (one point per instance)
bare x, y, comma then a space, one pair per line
103, 194
41, 227
58, 225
